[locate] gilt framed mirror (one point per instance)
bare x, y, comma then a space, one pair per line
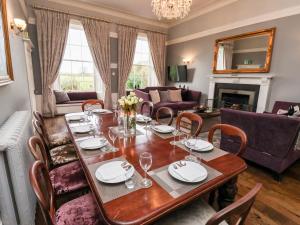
6, 71
244, 53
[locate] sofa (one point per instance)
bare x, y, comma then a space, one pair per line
73, 104
190, 98
273, 140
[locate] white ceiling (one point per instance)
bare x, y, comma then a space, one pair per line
143, 8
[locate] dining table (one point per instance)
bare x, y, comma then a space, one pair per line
146, 205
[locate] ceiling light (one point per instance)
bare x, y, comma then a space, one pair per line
171, 9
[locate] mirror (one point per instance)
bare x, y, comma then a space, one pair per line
245, 53
6, 72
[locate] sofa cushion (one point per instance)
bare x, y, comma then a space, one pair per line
79, 96
175, 95
164, 96
187, 105
154, 94
61, 97
172, 105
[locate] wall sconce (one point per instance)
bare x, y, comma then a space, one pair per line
18, 26
186, 61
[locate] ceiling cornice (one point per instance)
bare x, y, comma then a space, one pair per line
199, 12
110, 12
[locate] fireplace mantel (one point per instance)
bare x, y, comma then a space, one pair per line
263, 80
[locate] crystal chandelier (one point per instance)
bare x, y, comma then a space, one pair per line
171, 9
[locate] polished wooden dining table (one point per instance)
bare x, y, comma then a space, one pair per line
146, 205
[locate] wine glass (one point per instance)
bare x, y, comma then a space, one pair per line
113, 136
190, 144
98, 124
146, 163
175, 133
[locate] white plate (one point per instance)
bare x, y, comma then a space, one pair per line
164, 129
93, 143
143, 119
191, 168
100, 111
200, 146
112, 172
75, 118
82, 129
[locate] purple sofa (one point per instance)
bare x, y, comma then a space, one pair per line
272, 139
80, 97
189, 98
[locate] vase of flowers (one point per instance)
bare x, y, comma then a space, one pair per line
128, 105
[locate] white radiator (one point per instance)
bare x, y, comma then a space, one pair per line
17, 200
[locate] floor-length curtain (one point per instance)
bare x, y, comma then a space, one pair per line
228, 53
52, 33
126, 48
157, 44
97, 34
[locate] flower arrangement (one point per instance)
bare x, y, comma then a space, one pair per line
129, 103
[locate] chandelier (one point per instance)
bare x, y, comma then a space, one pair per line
171, 9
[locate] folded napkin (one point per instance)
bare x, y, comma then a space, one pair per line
189, 172
111, 171
199, 144
164, 128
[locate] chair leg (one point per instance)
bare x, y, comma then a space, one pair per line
278, 177
212, 196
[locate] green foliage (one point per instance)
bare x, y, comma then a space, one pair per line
77, 82
138, 77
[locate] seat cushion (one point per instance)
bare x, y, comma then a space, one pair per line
68, 178
80, 211
58, 139
172, 105
187, 105
63, 154
196, 213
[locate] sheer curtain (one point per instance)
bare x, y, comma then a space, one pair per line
157, 44
97, 34
225, 52
52, 32
126, 48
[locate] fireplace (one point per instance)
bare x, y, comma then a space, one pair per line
236, 96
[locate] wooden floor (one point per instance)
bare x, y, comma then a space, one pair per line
278, 203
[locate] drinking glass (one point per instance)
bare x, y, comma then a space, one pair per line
146, 163
191, 142
129, 183
113, 136
175, 133
98, 124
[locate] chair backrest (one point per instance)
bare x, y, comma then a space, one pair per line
232, 131
37, 149
92, 102
39, 117
147, 108
165, 112
40, 129
190, 123
240, 208
41, 184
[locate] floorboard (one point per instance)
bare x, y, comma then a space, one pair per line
278, 203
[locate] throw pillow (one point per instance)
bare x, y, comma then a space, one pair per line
164, 96
61, 97
175, 95
154, 94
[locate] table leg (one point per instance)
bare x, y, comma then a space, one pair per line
227, 193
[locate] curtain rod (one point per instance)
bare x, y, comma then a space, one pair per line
95, 18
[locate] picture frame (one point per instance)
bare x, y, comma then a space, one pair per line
6, 70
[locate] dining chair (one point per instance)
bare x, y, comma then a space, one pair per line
81, 210
56, 139
164, 113
92, 102
231, 131
64, 179
147, 108
190, 123
201, 213
59, 155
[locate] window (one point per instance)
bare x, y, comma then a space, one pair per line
77, 71
142, 72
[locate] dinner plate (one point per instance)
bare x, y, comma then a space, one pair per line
113, 172
191, 172
164, 129
200, 145
100, 111
93, 143
143, 119
75, 117
82, 129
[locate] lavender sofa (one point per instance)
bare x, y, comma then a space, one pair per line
272, 139
189, 98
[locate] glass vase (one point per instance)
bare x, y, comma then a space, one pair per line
129, 124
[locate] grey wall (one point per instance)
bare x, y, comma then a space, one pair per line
15, 96
285, 62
